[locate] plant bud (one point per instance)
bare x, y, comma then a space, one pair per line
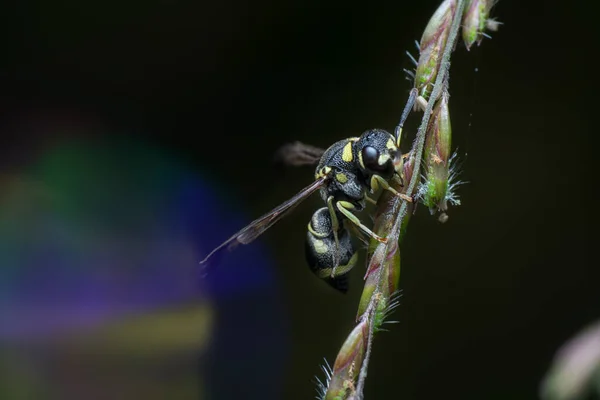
476, 21
348, 362
431, 47
433, 192
389, 265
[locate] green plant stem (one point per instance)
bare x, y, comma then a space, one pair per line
441, 83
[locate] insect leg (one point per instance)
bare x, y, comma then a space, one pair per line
344, 207
377, 180
335, 223
358, 234
370, 200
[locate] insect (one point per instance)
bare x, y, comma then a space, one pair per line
346, 173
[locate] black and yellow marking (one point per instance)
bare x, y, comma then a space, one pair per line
341, 177
360, 160
391, 145
320, 246
383, 158
347, 152
323, 172
339, 270
330, 253
315, 233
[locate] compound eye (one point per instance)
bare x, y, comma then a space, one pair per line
370, 157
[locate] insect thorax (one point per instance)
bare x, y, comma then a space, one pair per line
346, 181
339, 155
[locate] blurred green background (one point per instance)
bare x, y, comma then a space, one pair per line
210, 90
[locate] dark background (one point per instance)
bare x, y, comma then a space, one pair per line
487, 298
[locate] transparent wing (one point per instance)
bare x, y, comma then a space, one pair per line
298, 153
260, 225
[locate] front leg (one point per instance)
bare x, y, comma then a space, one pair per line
377, 180
344, 207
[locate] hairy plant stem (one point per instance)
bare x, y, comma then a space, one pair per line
397, 209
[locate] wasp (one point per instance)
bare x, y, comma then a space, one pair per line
346, 173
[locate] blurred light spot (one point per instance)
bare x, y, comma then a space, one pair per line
95, 229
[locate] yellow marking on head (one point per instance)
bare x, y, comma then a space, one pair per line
353, 139
347, 153
320, 246
360, 160
391, 145
341, 178
383, 158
